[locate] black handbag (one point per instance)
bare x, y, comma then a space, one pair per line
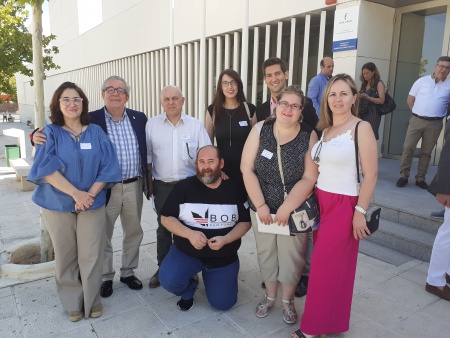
306, 217
373, 213
388, 106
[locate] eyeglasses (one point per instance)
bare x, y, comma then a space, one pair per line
286, 105
112, 90
442, 67
316, 157
229, 83
77, 101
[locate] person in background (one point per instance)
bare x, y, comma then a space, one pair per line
342, 208
72, 170
428, 100
317, 84
440, 214
371, 93
281, 258
230, 118
439, 269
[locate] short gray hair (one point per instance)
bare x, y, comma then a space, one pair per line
115, 77
444, 59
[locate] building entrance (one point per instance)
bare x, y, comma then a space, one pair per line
421, 36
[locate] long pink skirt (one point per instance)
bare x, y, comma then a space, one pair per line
333, 267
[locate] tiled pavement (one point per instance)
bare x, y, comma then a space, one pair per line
389, 300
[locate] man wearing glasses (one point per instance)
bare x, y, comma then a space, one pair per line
126, 129
428, 100
173, 139
276, 74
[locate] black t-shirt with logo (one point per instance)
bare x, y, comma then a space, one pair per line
212, 211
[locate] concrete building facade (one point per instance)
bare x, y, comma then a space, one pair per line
153, 43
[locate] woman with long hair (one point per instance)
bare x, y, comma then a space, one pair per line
371, 93
230, 118
342, 206
72, 170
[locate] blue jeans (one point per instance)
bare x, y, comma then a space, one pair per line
221, 284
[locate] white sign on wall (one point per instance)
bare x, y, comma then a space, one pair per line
345, 34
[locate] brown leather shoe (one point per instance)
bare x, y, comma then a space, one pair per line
154, 281
447, 278
444, 294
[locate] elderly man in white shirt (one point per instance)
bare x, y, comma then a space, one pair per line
428, 100
173, 139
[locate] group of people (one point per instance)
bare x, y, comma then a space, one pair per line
92, 167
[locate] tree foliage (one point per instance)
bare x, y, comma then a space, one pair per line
16, 52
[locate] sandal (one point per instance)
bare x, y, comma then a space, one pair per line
289, 314
263, 309
298, 334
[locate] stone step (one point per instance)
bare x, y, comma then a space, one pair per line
404, 239
383, 253
411, 219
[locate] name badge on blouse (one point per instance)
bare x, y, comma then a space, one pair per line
85, 146
267, 154
185, 136
243, 123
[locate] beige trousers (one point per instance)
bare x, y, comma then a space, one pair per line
418, 129
280, 257
79, 243
126, 200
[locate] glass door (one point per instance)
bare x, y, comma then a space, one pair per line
421, 38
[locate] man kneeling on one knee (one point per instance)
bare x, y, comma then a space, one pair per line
207, 221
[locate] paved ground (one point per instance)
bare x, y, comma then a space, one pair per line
389, 300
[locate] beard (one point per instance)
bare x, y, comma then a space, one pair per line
208, 176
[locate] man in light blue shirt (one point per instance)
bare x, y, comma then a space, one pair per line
317, 84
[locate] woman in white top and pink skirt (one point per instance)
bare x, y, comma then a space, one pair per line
333, 265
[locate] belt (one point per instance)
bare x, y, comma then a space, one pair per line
427, 118
130, 180
171, 182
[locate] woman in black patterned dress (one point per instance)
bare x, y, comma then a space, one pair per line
280, 257
371, 93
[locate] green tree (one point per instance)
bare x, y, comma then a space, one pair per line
423, 65
16, 48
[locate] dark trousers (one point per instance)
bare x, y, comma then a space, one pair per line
221, 283
162, 190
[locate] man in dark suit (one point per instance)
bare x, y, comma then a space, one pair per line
275, 75
438, 272
126, 129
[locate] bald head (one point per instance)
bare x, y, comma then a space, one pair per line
327, 66
172, 100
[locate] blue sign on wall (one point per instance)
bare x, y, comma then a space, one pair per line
349, 44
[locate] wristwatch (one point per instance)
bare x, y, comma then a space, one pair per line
361, 210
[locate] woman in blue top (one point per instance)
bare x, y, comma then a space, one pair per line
72, 171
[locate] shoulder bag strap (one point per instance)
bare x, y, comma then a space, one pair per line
357, 156
280, 166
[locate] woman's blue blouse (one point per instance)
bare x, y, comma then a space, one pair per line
82, 162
